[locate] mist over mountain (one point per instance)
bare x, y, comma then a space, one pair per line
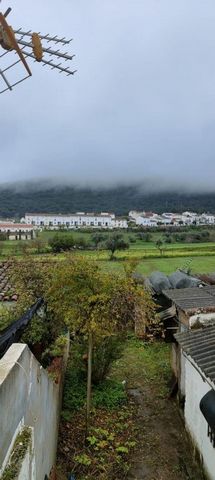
17, 199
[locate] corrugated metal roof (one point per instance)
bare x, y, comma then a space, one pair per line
192, 299
200, 345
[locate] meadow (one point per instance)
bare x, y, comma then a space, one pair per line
199, 257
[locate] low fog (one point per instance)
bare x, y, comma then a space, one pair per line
140, 109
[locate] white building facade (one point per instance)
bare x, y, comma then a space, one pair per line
199, 390
150, 219
18, 231
77, 220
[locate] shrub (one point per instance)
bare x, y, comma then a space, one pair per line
104, 354
61, 243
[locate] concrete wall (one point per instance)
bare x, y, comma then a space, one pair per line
196, 388
28, 397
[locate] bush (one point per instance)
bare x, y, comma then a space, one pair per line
106, 393
104, 354
145, 237
132, 240
97, 238
61, 243
81, 242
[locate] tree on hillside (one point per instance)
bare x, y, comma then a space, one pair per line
115, 242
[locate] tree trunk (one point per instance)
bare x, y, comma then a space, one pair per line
89, 381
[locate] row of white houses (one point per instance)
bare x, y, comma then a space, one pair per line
73, 221
150, 219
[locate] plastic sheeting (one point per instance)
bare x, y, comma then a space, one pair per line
159, 282
180, 279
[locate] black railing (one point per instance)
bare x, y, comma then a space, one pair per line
13, 333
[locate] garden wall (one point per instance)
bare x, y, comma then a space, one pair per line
28, 398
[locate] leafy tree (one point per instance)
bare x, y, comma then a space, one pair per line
61, 243
145, 237
98, 238
81, 243
159, 245
115, 242
91, 304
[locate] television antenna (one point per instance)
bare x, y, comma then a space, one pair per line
45, 49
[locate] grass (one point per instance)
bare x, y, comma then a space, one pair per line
200, 257
114, 426
145, 362
197, 264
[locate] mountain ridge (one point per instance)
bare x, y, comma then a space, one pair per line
16, 202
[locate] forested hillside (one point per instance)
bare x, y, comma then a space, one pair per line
16, 202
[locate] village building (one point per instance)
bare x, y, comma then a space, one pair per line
17, 231
150, 219
193, 307
74, 221
197, 347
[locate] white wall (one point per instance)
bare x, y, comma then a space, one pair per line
196, 388
28, 397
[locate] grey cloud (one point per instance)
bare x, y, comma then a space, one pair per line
141, 107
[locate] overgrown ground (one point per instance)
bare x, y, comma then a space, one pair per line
140, 436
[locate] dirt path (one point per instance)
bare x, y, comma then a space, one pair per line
163, 451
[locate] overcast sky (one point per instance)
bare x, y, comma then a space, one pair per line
141, 106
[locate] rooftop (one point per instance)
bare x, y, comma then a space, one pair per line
200, 346
80, 214
16, 225
7, 291
193, 299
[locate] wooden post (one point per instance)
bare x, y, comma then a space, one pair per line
89, 381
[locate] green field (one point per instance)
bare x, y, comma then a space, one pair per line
199, 257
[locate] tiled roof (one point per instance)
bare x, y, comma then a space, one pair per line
200, 345
16, 225
192, 299
7, 291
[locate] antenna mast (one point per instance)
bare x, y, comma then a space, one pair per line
17, 47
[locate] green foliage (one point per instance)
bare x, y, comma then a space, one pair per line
37, 331
115, 242
106, 394
83, 459
97, 238
15, 203
56, 349
145, 237
159, 245
109, 394
105, 352
7, 316
61, 243
21, 444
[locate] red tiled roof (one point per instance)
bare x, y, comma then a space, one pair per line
7, 291
15, 225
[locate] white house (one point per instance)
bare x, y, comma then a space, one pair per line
133, 214
199, 364
119, 223
18, 231
76, 220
